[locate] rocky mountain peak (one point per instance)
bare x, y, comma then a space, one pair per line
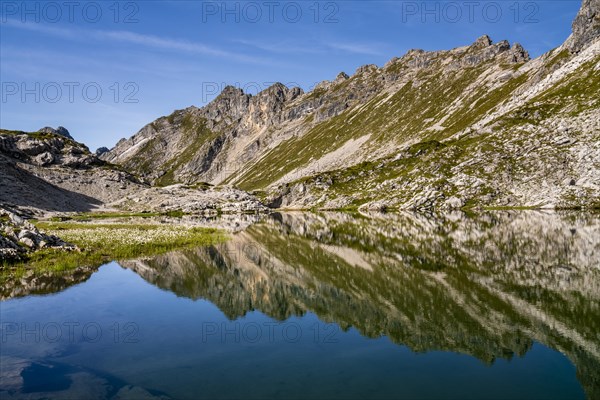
295, 92
230, 92
266, 105
484, 49
342, 76
518, 54
586, 26
277, 92
231, 103
366, 69
61, 130
101, 150
276, 87
414, 51
42, 151
482, 42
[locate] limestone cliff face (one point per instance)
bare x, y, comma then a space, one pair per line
479, 125
586, 27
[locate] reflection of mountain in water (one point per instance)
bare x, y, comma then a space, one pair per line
486, 286
14, 285
45, 282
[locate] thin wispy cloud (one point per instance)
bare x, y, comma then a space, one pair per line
129, 37
33, 63
36, 27
279, 48
160, 43
357, 48
317, 48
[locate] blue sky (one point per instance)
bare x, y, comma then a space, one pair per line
104, 69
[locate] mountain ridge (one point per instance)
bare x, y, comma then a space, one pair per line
279, 103
404, 135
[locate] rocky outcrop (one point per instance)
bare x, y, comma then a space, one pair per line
19, 237
61, 130
45, 148
194, 200
483, 49
45, 171
101, 150
586, 27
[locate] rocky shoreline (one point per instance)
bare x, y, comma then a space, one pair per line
19, 237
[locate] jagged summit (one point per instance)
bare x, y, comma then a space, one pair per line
516, 52
101, 150
279, 90
231, 91
342, 76
62, 131
232, 104
482, 50
482, 41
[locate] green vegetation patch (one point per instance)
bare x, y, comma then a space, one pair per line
577, 91
199, 136
481, 103
101, 243
558, 58
388, 118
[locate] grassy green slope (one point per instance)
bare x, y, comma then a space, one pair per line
391, 119
193, 138
513, 150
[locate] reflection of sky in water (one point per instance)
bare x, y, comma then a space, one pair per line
284, 328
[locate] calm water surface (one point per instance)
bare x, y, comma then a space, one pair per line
502, 305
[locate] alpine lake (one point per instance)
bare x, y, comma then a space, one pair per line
493, 305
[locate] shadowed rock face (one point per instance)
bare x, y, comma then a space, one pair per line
47, 170
488, 286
